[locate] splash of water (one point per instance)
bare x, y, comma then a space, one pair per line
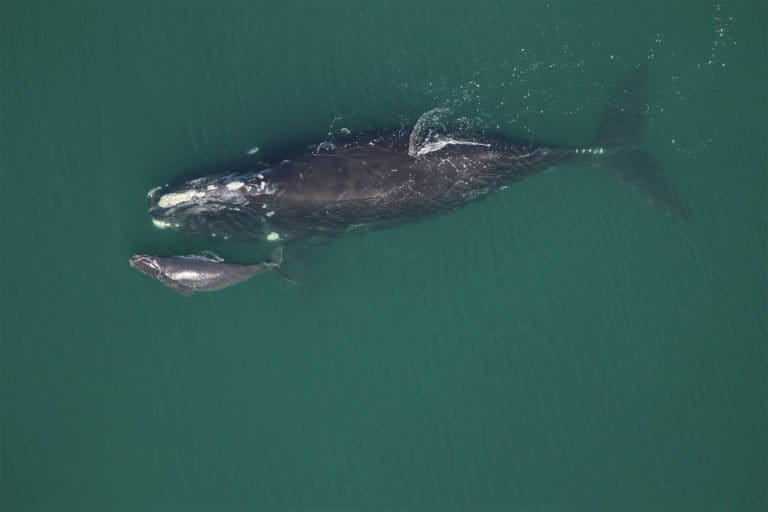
427, 129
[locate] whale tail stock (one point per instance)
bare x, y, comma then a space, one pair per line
617, 141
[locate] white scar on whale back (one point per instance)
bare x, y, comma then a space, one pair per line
439, 144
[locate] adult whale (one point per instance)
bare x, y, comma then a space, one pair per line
377, 179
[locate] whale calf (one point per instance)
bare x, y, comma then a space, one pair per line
200, 273
383, 178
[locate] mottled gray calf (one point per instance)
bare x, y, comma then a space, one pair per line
198, 273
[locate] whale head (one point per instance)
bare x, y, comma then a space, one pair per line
150, 265
179, 206
208, 205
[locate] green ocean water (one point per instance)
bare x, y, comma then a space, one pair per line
560, 345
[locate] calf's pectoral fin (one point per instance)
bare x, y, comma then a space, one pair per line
173, 285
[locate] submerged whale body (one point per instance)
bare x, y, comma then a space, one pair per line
379, 179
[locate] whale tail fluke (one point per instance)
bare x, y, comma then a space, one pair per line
276, 265
618, 138
277, 255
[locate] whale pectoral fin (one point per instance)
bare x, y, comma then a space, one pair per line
173, 285
184, 290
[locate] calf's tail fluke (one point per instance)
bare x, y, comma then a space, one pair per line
619, 136
276, 264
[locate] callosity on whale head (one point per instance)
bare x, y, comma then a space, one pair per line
147, 264
203, 205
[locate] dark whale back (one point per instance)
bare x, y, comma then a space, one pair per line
381, 178
371, 180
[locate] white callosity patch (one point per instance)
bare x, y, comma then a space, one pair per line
273, 236
152, 191
149, 261
215, 192
173, 198
161, 224
231, 192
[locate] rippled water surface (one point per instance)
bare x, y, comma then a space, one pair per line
559, 345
